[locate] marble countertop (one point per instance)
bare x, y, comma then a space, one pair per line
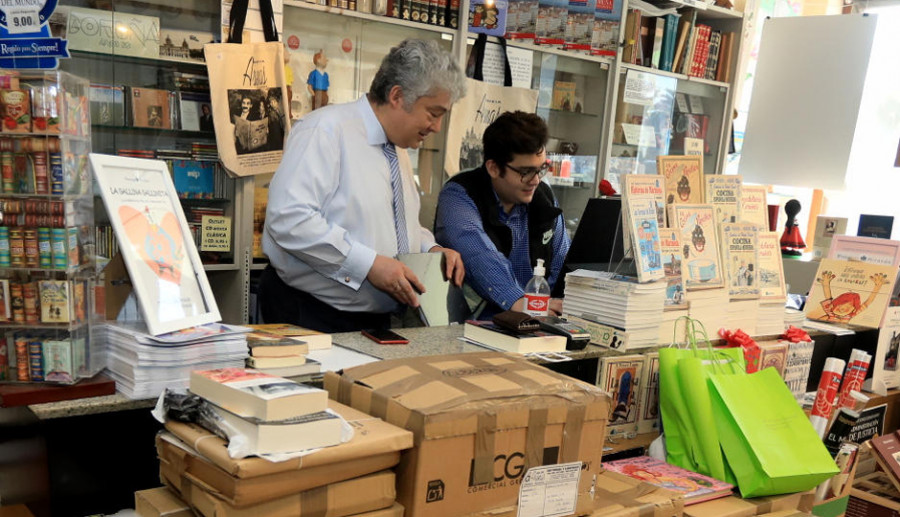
422, 341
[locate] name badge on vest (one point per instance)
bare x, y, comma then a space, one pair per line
547, 236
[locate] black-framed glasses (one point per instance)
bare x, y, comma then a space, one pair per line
528, 173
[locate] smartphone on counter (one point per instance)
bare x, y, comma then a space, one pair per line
385, 337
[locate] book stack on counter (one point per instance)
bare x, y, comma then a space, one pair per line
770, 318
710, 307
744, 315
616, 301
143, 365
793, 317
283, 349
263, 469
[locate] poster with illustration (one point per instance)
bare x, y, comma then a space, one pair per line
851, 292
155, 241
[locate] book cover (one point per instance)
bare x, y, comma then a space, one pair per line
773, 354
5, 307
684, 178
550, 27
58, 364
150, 108
885, 370
797, 366
694, 487
638, 187
564, 96
55, 301
521, 17
850, 292
642, 213
771, 267
195, 111
887, 452
739, 256
315, 339
877, 226
107, 104
580, 24
194, 180
754, 207
712, 62
672, 258
648, 420
724, 194
605, 34
249, 393
826, 228
696, 227
620, 376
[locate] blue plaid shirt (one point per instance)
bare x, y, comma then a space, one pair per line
494, 277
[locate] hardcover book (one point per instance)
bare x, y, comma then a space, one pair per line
694, 487
878, 226
672, 258
696, 227
826, 228
850, 292
55, 301
248, 393
771, 267
150, 108
648, 420
754, 207
488, 334
724, 194
740, 260
684, 178
887, 452
644, 237
620, 376
194, 180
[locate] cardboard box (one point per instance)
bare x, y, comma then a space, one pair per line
617, 495
159, 502
375, 446
734, 506
874, 495
480, 421
359, 495
394, 511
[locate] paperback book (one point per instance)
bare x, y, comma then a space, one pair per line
740, 259
620, 376
771, 267
694, 487
642, 186
644, 237
696, 227
54, 301
850, 292
684, 178
672, 258
724, 194
754, 207
648, 420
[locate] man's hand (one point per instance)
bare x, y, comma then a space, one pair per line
454, 269
394, 278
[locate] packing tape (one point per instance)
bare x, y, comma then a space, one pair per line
534, 438
628, 498
345, 387
314, 503
571, 440
484, 448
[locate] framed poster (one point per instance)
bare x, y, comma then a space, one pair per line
155, 242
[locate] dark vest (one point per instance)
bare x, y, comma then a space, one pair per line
542, 215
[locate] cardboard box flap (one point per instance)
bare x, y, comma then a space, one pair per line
439, 396
619, 495
372, 436
160, 501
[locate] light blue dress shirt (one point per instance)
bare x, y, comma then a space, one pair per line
329, 211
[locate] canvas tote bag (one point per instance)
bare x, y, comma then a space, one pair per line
482, 104
249, 95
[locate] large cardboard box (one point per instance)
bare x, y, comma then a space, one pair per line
394, 511
480, 421
359, 495
375, 446
159, 502
617, 495
734, 506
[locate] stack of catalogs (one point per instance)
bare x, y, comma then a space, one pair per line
617, 301
144, 365
742, 314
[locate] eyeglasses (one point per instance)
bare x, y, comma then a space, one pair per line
528, 173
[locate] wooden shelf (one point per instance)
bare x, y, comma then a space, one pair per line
369, 17
39, 393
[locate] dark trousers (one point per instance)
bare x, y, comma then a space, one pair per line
281, 303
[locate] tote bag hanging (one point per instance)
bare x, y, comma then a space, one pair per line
482, 104
249, 95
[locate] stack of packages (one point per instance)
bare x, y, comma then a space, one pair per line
481, 422
281, 350
258, 471
605, 302
143, 366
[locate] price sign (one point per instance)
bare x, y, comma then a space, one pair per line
21, 20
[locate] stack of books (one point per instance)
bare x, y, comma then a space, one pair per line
143, 366
668, 324
770, 318
351, 478
710, 307
617, 301
742, 314
280, 355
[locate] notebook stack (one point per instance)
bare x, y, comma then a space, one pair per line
144, 365
617, 301
743, 314
710, 306
351, 478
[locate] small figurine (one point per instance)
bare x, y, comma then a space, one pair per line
317, 82
792, 243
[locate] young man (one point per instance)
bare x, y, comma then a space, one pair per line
501, 217
343, 202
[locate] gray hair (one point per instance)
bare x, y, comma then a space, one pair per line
419, 68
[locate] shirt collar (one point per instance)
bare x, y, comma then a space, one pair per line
517, 208
375, 134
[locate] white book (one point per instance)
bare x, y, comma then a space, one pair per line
249, 393
304, 432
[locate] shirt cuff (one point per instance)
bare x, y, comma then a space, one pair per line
504, 297
356, 266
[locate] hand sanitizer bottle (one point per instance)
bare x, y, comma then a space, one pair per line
537, 292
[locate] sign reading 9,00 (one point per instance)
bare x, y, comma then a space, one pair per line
16, 15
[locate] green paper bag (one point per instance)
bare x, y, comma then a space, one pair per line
768, 441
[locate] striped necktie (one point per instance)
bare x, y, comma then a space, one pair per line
397, 188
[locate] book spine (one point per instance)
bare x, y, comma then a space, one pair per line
35, 360
16, 247
6, 171
32, 305
453, 14
22, 361
4, 360
32, 256
56, 174
73, 256
17, 302
4, 246
57, 247
44, 250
